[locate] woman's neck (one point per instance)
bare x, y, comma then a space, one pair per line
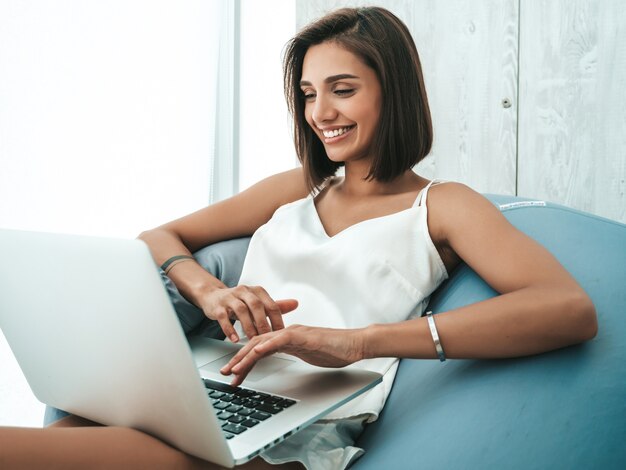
355, 182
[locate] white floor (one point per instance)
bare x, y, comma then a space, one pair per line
18, 405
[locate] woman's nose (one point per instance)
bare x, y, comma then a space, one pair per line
323, 110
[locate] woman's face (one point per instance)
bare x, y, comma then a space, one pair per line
342, 101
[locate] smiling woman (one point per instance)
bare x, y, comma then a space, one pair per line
399, 125
353, 260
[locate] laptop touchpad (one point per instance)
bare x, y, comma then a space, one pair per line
261, 370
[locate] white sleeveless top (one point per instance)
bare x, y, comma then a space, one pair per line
381, 270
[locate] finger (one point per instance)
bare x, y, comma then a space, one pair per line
287, 305
242, 313
257, 352
222, 317
226, 369
243, 352
284, 306
243, 368
272, 309
258, 309
237, 380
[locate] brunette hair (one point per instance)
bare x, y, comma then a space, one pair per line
382, 41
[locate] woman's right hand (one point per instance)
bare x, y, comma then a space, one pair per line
251, 305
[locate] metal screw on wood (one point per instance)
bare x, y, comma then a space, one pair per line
506, 103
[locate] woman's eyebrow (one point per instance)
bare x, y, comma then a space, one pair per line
332, 78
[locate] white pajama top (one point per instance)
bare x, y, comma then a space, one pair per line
380, 270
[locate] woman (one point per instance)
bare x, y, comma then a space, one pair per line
355, 257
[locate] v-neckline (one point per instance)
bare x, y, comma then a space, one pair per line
361, 222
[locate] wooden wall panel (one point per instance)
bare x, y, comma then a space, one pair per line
572, 130
468, 52
469, 56
569, 59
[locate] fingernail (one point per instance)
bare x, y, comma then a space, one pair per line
234, 338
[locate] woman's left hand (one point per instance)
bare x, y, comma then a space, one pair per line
324, 347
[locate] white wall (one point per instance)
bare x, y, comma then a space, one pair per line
106, 125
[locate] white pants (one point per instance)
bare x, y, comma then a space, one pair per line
326, 444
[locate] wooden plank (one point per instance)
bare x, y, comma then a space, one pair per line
469, 55
468, 52
572, 135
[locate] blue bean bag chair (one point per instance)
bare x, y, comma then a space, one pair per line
560, 410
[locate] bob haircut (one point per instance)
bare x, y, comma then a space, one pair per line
382, 41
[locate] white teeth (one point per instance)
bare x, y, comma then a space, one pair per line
336, 132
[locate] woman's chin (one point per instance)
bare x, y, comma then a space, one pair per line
339, 157
338, 161
343, 158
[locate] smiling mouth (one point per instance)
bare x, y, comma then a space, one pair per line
337, 132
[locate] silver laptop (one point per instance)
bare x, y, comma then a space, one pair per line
95, 334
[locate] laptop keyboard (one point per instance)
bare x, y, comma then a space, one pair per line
240, 409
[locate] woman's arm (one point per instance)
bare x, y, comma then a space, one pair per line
541, 307
235, 217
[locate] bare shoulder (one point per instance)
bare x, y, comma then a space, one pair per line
454, 207
451, 193
464, 225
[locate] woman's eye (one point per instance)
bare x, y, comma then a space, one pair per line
308, 96
344, 91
